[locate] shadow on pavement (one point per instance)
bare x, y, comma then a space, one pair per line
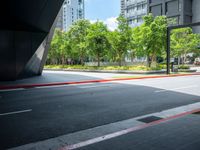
64, 110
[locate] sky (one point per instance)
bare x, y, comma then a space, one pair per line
103, 10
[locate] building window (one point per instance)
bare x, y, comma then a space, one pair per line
179, 5
173, 21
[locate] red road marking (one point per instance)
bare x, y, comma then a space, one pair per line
88, 81
123, 132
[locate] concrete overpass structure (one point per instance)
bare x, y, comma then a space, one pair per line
26, 30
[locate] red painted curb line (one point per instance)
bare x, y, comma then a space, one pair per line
88, 81
126, 131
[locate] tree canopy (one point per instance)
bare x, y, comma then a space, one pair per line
86, 41
98, 41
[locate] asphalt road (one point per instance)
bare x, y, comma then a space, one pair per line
180, 134
37, 114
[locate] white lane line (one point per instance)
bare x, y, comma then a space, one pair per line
180, 88
54, 86
10, 90
93, 86
104, 132
16, 112
58, 86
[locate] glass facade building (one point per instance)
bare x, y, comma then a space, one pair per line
134, 10
71, 11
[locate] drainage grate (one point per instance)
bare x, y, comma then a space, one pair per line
149, 119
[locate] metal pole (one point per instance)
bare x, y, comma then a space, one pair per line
168, 51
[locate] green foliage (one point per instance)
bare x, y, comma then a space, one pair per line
98, 41
60, 48
120, 39
85, 41
130, 68
183, 41
183, 67
149, 39
77, 34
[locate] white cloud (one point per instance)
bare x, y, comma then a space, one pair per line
110, 22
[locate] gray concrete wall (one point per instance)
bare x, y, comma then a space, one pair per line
176, 8
25, 34
196, 14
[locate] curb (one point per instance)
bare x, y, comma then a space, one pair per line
89, 81
110, 71
121, 71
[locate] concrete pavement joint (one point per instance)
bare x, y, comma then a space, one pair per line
105, 132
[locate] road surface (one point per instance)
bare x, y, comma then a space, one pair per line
39, 114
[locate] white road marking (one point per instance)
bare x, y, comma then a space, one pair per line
180, 88
93, 86
53, 86
58, 86
10, 90
101, 133
16, 112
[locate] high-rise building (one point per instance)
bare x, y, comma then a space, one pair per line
178, 11
71, 11
59, 24
123, 7
134, 10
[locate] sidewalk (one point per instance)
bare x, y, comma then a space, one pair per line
66, 78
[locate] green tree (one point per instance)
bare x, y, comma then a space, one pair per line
184, 41
98, 40
121, 39
56, 47
150, 38
60, 48
77, 34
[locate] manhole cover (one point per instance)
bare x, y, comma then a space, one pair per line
149, 119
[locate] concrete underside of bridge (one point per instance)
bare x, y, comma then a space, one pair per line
26, 30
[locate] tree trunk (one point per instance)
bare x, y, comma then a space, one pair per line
178, 61
120, 61
82, 59
148, 61
153, 60
184, 59
98, 59
63, 60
